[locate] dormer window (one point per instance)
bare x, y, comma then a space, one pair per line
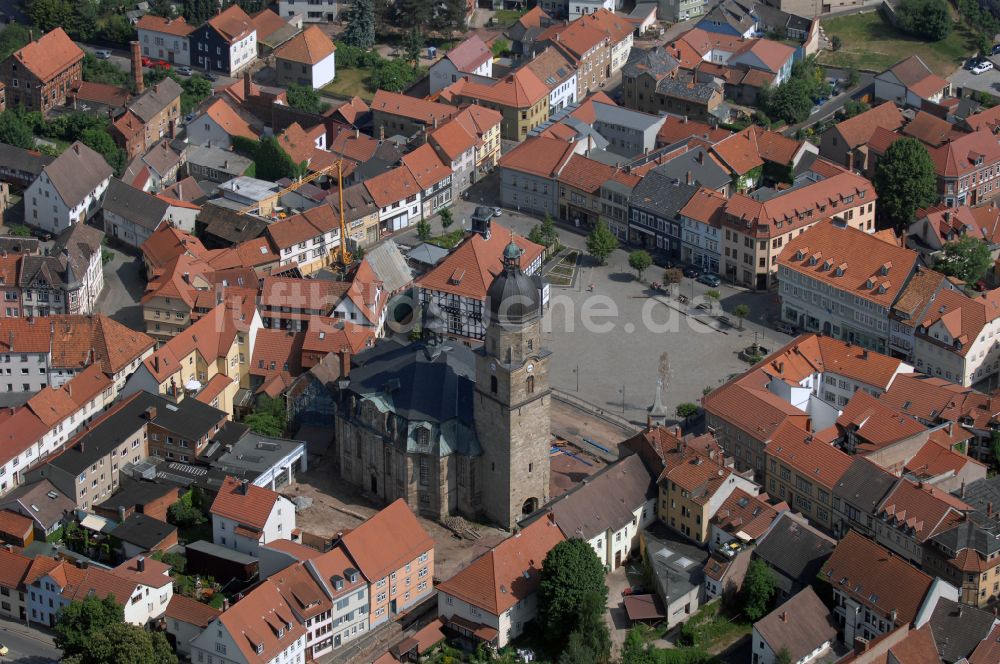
827, 264
870, 283
884, 270
799, 255
281, 632
259, 648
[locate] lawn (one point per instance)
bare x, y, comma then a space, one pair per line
712, 629
871, 43
350, 82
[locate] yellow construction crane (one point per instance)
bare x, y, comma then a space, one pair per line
344, 255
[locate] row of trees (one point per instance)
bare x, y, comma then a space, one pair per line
793, 100
19, 127
84, 20
927, 19
94, 631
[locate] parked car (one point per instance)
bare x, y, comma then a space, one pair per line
692, 272
4, 649
497, 212
102, 54
982, 67
147, 61
785, 328
210, 76
970, 63
184, 70
995, 50
710, 279
161, 64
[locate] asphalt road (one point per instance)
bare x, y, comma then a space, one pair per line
27, 645
120, 59
834, 104
986, 82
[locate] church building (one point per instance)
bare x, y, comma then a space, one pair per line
449, 429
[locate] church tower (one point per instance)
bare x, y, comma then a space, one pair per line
512, 397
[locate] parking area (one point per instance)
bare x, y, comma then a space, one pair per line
986, 82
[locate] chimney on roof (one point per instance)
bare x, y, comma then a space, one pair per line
784, 616
225, 604
150, 413
121, 514
989, 508
140, 563
860, 645
690, 179
137, 81
246, 85
244, 486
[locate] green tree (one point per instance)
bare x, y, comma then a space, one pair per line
195, 89
197, 12
853, 77
15, 131
545, 233
836, 42
450, 17
500, 47
634, 650
117, 30
905, 180
413, 43
47, 15
639, 260
447, 218
592, 627
391, 76
100, 141
124, 643
758, 589
163, 8
20, 230
601, 242
410, 14
686, 410
577, 651
713, 295
78, 622
185, 514
306, 98
273, 163
571, 570
929, 19
13, 37
269, 417
741, 311
424, 230
783, 657
967, 258
360, 30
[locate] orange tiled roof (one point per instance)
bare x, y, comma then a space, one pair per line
250, 509
875, 578
585, 174
190, 611
312, 223
426, 167
13, 568
876, 423
177, 27
233, 24
267, 22
392, 186
254, 623
925, 511
539, 156
850, 260
50, 55
13, 524
744, 514
311, 47
229, 120
934, 459
402, 105
820, 462
522, 89
859, 129
377, 556
675, 129
508, 573
470, 268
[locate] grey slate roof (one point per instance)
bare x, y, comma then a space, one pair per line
428, 254
142, 531
800, 625
958, 629
703, 169
795, 550
418, 382
251, 455
76, 246
189, 419
134, 493
661, 195
358, 203
606, 500
655, 61
735, 14
625, 117
162, 158
77, 172
156, 98
210, 549
135, 205
686, 88
229, 226
19, 159
35, 500
864, 485
216, 158
390, 266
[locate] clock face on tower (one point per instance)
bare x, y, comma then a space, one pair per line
530, 367
493, 366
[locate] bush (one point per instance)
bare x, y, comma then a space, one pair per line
929, 19
836, 42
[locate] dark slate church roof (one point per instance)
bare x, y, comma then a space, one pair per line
422, 383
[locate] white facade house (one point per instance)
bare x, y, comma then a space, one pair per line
563, 94
910, 82
311, 11
578, 8
958, 339
309, 58
68, 190
348, 593
471, 56
165, 39
245, 515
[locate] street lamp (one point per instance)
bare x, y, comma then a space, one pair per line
623, 398
576, 371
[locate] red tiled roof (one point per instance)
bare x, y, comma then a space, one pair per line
426, 167
522, 89
743, 514
933, 460
859, 129
675, 129
13, 568
876, 423
169, 26
469, 54
229, 120
250, 509
876, 578
470, 268
507, 574
190, 611
820, 462
541, 156
311, 47
233, 24
850, 260
924, 510
376, 555
392, 186
267, 22
50, 55
254, 623
15, 524
420, 110
585, 174
298, 228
